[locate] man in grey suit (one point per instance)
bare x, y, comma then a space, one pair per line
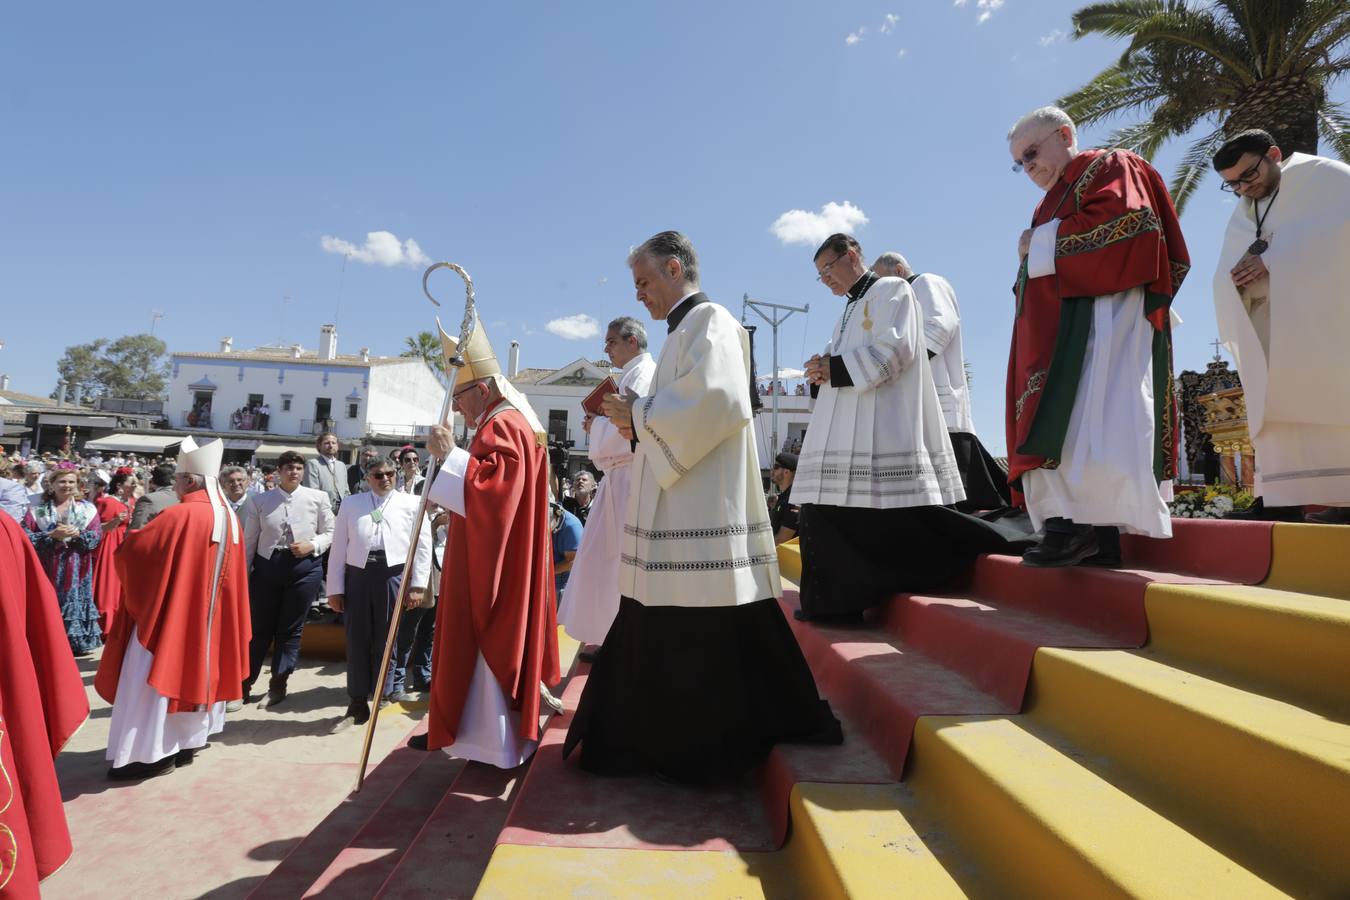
160, 497
327, 473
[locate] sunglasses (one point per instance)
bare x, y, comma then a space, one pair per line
384, 474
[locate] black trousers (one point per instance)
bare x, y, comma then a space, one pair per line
280, 593
368, 607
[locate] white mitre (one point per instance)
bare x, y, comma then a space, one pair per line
204, 460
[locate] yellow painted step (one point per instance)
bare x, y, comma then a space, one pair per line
790, 560
1046, 826
1312, 559
1296, 646
1266, 780
874, 840
518, 871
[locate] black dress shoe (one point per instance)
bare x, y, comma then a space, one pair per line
138, 770
185, 757
419, 742
1064, 544
587, 656
276, 692
1108, 548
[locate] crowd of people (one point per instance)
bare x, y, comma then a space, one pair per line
666, 569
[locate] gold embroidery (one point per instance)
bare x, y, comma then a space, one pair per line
9, 847
1080, 187
1179, 270
1132, 224
1034, 385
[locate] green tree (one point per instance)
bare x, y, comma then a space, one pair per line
426, 346
1218, 68
132, 367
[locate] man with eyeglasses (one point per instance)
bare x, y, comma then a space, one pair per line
370, 548
876, 469
1091, 417
1282, 301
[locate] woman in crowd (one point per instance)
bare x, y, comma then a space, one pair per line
113, 513
65, 531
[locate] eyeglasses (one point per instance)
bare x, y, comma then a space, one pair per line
1244, 179
825, 269
380, 475
410, 459
1019, 165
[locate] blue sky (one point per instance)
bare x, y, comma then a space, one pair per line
193, 160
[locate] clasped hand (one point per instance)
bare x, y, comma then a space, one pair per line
618, 408
1250, 268
817, 369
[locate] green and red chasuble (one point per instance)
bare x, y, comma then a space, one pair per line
1118, 230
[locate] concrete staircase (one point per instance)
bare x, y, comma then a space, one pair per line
1177, 729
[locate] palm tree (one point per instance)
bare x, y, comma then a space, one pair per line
1226, 66
426, 346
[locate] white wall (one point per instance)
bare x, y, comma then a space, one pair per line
404, 394
303, 380
545, 397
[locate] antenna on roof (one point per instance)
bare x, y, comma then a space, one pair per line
155, 316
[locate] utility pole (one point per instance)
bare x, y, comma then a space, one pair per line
774, 321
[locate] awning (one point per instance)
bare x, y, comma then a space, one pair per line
135, 443
267, 450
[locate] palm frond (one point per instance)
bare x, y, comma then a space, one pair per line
1334, 124
1193, 168
1143, 138
1325, 24
1113, 91
1115, 18
1202, 31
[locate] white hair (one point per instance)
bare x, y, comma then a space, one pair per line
1047, 115
890, 261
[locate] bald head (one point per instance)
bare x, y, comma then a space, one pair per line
892, 265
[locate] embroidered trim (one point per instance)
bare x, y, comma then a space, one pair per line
1034, 385
694, 534
1131, 225
1179, 270
703, 565
899, 471
1081, 186
670, 456
880, 360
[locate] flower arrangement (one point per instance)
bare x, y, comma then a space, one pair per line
1214, 501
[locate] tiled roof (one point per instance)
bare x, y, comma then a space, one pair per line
21, 399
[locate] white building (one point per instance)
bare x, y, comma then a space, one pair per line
273, 398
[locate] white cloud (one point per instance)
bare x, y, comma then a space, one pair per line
987, 8
382, 248
856, 36
799, 226
888, 24
1053, 37
574, 328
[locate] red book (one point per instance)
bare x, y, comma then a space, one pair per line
593, 400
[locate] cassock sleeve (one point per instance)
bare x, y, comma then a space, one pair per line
448, 488
706, 403
940, 317
1114, 241
337, 563
897, 340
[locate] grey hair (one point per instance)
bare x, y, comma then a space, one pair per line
669, 245
227, 471
890, 263
368, 448
198, 481
1047, 115
629, 327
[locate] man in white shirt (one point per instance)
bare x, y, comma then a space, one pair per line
286, 531
985, 483
370, 549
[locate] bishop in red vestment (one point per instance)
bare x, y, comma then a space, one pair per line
42, 703
1091, 416
496, 622
179, 649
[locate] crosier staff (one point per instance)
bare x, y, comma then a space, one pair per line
455, 358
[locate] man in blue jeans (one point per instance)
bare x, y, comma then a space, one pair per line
286, 531
566, 540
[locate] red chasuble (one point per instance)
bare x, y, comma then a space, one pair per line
497, 583
107, 586
201, 653
42, 703
1118, 230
